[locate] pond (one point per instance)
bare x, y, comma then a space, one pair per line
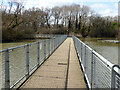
109, 50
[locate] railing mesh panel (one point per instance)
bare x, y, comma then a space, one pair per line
32, 56
2, 68
117, 81
17, 64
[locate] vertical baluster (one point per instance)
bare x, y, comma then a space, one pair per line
92, 70
85, 65
7, 70
44, 49
48, 47
54, 43
81, 51
38, 53
27, 61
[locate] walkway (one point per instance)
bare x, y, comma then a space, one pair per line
54, 74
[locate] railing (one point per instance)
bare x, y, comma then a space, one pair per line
18, 63
42, 35
46, 35
98, 71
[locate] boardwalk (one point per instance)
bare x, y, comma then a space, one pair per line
60, 70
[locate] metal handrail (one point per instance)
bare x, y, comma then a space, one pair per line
32, 62
98, 71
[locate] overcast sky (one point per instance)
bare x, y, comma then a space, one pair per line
103, 7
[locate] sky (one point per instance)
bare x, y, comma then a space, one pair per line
102, 7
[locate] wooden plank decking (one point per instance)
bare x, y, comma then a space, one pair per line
53, 72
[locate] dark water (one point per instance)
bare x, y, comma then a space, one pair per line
109, 50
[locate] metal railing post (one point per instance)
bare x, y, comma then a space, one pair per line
54, 43
57, 42
27, 61
92, 70
44, 49
38, 53
113, 79
77, 44
85, 59
49, 47
81, 51
7, 71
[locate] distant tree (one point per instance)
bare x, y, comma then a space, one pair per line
56, 12
48, 14
12, 21
17, 22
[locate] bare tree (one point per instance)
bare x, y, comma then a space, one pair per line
56, 12
11, 20
14, 16
48, 14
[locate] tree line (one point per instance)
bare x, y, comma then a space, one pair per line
67, 19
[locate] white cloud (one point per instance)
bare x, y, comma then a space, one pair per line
105, 9
46, 3
51, 3
99, 6
108, 12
